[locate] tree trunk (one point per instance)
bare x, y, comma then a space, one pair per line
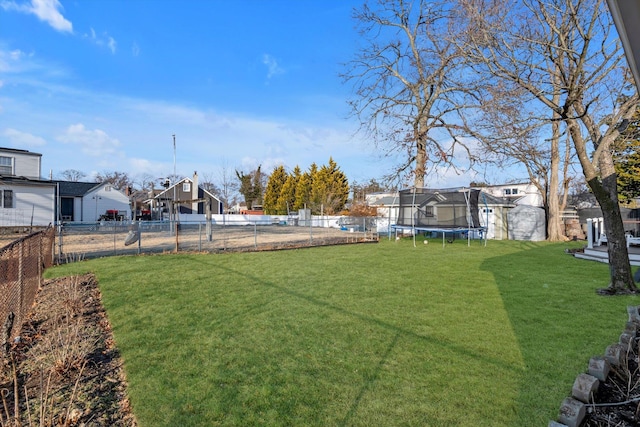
421, 162
606, 192
555, 233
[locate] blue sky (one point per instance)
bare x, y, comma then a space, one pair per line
102, 85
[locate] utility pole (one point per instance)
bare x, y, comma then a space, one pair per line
174, 204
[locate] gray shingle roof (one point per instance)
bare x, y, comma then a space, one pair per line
75, 189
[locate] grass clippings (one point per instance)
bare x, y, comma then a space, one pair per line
64, 369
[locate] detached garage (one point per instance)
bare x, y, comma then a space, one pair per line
526, 223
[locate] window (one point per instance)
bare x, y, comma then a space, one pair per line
514, 191
428, 211
6, 165
107, 188
507, 191
186, 187
7, 198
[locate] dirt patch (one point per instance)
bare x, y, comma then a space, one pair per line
64, 368
88, 243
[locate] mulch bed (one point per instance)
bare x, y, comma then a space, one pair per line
617, 401
68, 370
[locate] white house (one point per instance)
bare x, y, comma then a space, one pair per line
25, 199
90, 201
523, 193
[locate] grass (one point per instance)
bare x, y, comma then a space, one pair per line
360, 335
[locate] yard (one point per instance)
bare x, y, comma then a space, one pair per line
372, 334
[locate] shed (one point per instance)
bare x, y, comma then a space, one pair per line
526, 223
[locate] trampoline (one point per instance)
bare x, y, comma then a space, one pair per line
452, 211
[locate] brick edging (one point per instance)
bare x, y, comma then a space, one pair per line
573, 409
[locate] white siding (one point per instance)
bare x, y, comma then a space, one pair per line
33, 205
24, 163
105, 197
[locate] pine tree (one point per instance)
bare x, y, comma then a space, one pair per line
626, 155
251, 186
287, 199
303, 189
258, 186
275, 184
330, 189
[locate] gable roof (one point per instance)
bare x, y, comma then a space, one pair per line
75, 189
167, 191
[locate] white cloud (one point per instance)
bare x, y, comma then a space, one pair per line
273, 68
10, 61
102, 40
111, 44
48, 11
142, 166
22, 139
95, 143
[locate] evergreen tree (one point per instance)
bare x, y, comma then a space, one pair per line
272, 193
303, 189
626, 155
330, 189
258, 186
251, 186
287, 199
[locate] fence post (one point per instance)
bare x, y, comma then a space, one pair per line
60, 242
21, 280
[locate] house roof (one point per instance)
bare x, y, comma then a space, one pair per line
17, 150
75, 189
387, 201
168, 193
626, 15
20, 180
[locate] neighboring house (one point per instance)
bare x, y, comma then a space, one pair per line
192, 201
523, 193
386, 205
90, 201
25, 199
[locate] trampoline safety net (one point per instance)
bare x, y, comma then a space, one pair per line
428, 208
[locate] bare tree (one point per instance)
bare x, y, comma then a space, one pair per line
512, 130
563, 53
407, 82
73, 175
227, 186
119, 180
146, 181
207, 183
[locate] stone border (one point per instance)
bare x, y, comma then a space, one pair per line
573, 409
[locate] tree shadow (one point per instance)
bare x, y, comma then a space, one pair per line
397, 333
558, 319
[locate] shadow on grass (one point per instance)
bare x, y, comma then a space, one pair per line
558, 319
397, 332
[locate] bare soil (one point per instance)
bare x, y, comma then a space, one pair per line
64, 368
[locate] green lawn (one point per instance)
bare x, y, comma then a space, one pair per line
361, 335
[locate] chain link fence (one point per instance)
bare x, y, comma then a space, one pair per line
21, 265
77, 241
